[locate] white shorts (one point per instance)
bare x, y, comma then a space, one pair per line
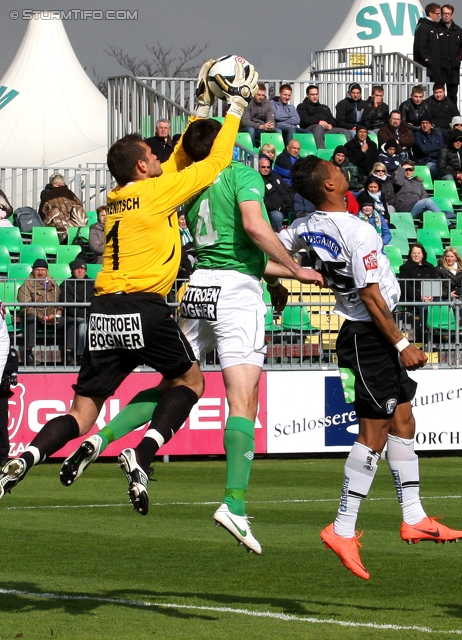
224, 310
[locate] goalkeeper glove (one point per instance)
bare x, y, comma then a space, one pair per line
204, 97
240, 91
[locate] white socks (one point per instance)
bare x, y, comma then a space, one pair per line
404, 466
360, 470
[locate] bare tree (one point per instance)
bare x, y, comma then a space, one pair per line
162, 64
99, 82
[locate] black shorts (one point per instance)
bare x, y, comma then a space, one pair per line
371, 371
124, 331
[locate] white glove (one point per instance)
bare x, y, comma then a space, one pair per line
204, 97
240, 92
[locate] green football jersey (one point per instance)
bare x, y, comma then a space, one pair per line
215, 222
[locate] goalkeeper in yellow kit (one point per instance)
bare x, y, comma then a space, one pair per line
129, 322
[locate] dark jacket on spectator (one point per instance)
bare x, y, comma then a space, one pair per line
410, 270
392, 163
364, 196
278, 195
258, 113
455, 278
96, 240
442, 111
403, 134
302, 205
162, 148
411, 113
408, 191
311, 113
450, 160
364, 161
427, 146
427, 50
77, 290
374, 117
283, 166
451, 50
386, 187
351, 173
346, 111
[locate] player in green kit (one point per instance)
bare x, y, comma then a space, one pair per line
223, 308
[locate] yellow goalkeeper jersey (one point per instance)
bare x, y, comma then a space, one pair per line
142, 240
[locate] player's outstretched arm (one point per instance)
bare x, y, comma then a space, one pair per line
381, 315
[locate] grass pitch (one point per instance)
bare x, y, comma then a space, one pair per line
78, 563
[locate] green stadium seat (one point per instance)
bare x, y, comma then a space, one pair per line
431, 256
11, 238
93, 270
92, 218
219, 118
5, 260
436, 220
307, 144
244, 139
441, 318
46, 237
297, 318
333, 140
325, 154
399, 239
72, 232
67, 253
274, 138
422, 171
31, 252
447, 189
444, 203
394, 256
60, 272
459, 220
455, 237
404, 220
373, 136
270, 325
19, 271
430, 238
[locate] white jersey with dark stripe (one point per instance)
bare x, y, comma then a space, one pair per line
349, 253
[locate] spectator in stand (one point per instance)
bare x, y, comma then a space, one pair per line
415, 269
450, 268
96, 239
279, 197
349, 111
77, 289
349, 170
6, 210
395, 129
441, 109
269, 150
427, 145
375, 114
317, 117
60, 207
450, 158
286, 160
414, 108
427, 46
389, 157
451, 52
188, 248
456, 123
409, 192
379, 170
39, 287
351, 203
161, 143
258, 117
302, 206
362, 151
373, 191
285, 114
368, 213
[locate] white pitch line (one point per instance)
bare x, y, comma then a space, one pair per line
212, 503
245, 612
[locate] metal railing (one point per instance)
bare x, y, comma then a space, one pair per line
301, 338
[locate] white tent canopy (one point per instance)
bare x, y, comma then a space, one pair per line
387, 26
58, 116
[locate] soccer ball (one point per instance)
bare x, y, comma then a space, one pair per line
225, 66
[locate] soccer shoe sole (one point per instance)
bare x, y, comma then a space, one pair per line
12, 473
334, 542
137, 492
222, 519
77, 462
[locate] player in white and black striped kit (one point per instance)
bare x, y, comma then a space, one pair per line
373, 356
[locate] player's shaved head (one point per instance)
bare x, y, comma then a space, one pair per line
198, 138
308, 177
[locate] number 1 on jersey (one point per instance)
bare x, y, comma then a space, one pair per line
204, 220
114, 236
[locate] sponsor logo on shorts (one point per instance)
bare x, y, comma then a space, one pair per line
370, 261
391, 404
200, 302
122, 331
323, 241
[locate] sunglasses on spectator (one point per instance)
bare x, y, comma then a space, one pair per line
380, 171
408, 168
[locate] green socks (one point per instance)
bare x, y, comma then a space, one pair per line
137, 412
239, 446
